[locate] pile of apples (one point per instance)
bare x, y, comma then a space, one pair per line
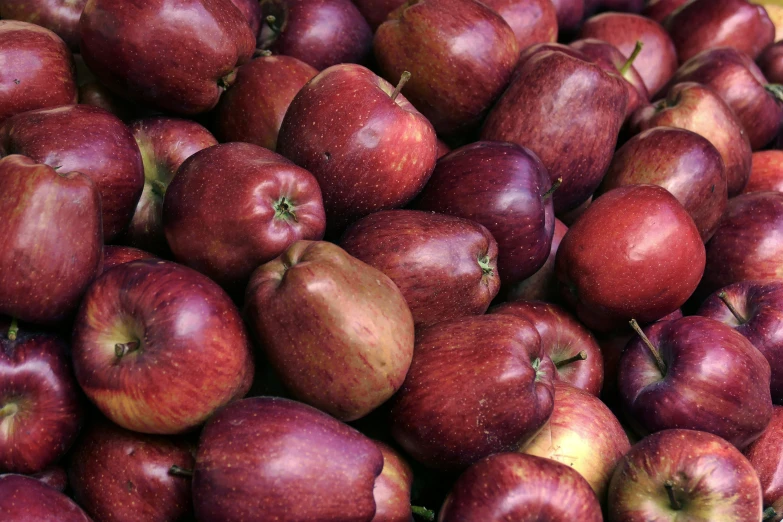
389, 260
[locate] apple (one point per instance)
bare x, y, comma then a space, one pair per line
377, 11
771, 63
158, 347
392, 491
253, 109
174, 55
51, 237
114, 255
379, 132
444, 266
55, 477
634, 253
84, 139
765, 457
252, 11
95, 94
568, 111
505, 188
684, 163
164, 143
541, 286
626, 6
572, 348
286, 460
476, 386
678, 475
460, 54
569, 14
533, 21
38, 69
774, 10
123, 476
27, 499
659, 10
58, 16
523, 488
766, 172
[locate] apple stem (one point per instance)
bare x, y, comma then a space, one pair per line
552, 189
13, 330
122, 349
769, 514
284, 210
404, 77
426, 514
676, 504
180, 472
262, 52
158, 187
775, 90
723, 297
629, 62
270, 21
9, 410
581, 356
486, 268
653, 350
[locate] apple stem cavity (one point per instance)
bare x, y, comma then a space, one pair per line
13, 330
629, 62
775, 90
769, 514
158, 187
9, 410
738, 316
552, 189
123, 349
284, 209
676, 504
653, 350
426, 514
228, 80
404, 77
486, 268
581, 356
180, 472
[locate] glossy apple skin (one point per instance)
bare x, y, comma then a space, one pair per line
634, 253
766, 172
58, 16
699, 109
689, 395
190, 333
503, 395
165, 143
541, 286
83, 139
503, 187
771, 63
114, 255
252, 110
765, 457
36, 377
124, 476
285, 460
533, 21
552, 99
747, 245
386, 137
523, 488
569, 14
174, 55
38, 69
45, 269
445, 266
761, 307
583, 434
55, 477
453, 83
377, 11
26, 499
251, 9
659, 10
684, 163
313, 292
656, 62
562, 337
392, 489
711, 479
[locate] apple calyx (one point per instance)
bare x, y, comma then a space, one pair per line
768, 514
422, 512
675, 504
176, 471
775, 90
486, 267
284, 209
738, 316
650, 346
629, 62
536, 367
581, 356
404, 77
9, 410
13, 330
552, 189
123, 349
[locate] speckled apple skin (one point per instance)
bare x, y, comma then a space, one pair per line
25, 499
392, 491
58, 16
766, 172
765, 456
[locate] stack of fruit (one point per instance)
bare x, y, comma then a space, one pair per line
344, 261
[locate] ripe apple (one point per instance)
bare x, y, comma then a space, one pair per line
392, 491
659, 10
541, 286
771, 63
253, 13
119, 255
26, 499
377, 11
58, 16
569, 14
766, 173
55, 477
765, 456
533, 21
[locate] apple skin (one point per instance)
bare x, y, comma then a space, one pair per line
45, 269
533, 21
503, 187
173, 55
182, 370
286, 460
444, 266
766, 173
705, 24
699, 109
552, 99
502, 397
710, 478
453, 83
656, 62
747, 245
569, 14
123, 476
114, 255
83, 139
771, 63
244, 201
377, 11
389, 138
562, 337
164, 143
95, 94
541, 286
689, 395
392, 491
55, 477
37, 380
38, 69
252, 110
765, 457
523, 488
253, 13
659, 10
583, 434
60, 17
25, 499
684, 163
761, 307
655, 254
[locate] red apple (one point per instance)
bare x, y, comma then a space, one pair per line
95, 94
55, 477
541, 286
771, 63
569, 14
766, 173
392, 491
377, 11
533, 21
61, 17
765, 457
253, 13
119, 255
659, 10
25, 499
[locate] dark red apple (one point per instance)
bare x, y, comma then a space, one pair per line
38, 69
95, 94
569, 14
771, 63
392, 491
684, 163
541, 286
88, 140
765, 456
51, 237
158, 347
766, 173
253, 109
174, 55
444, 266
61, 17
377, 11
55, 477
533, 21
505, 188
286, 460
119, 255
625, 6
253, 13
659, 10
25, 499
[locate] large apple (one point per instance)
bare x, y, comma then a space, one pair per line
25, 499
56, 15
766, 173
541, 286
765, 456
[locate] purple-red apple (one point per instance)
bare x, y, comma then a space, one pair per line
541, 286
771, 63
119, 255
55, 477
392, 491
533, 21
253, 13
765, 456
659, 10
26, 499
377, 11
766, 172
60, 17
569, 14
